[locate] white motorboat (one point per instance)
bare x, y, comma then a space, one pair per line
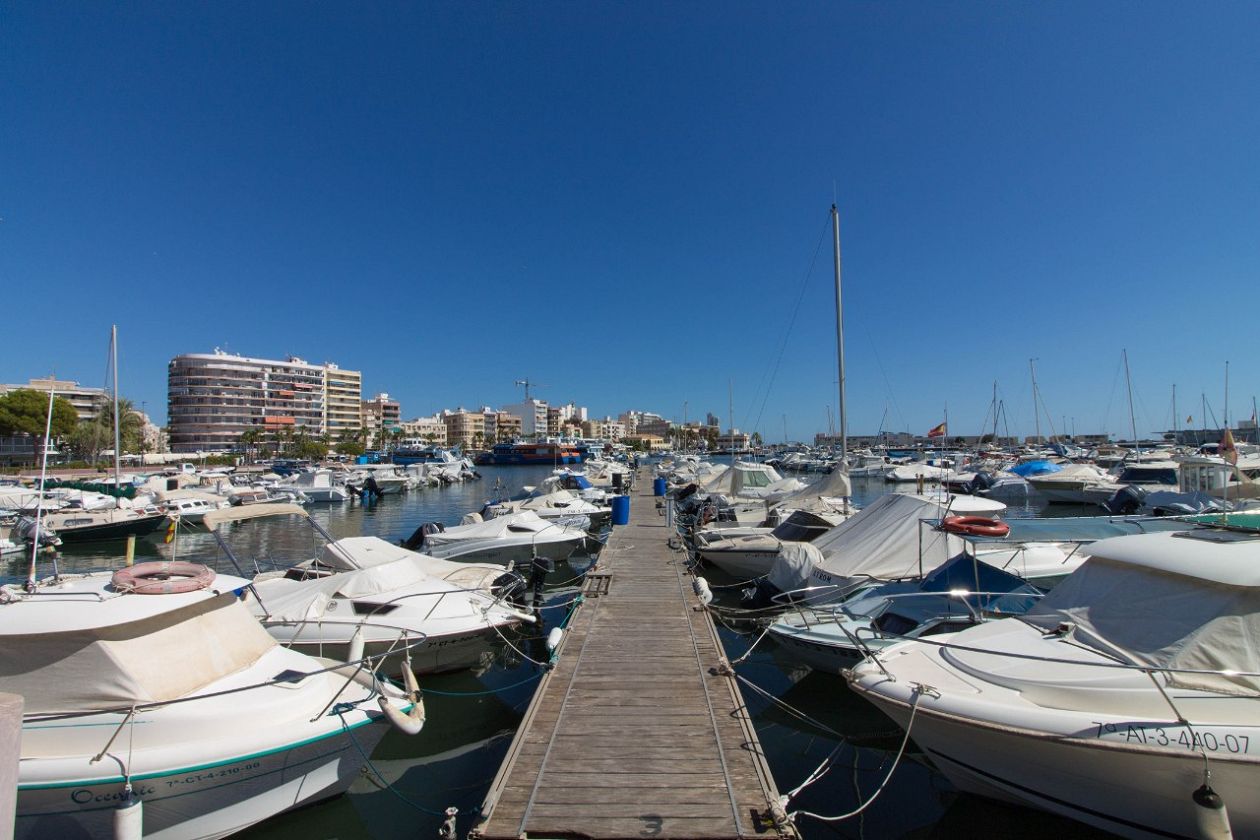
189, 508
366, 594
172, 714
317, 485
1116, 701
957, 595
745, 555
512, 540
561, 506
381, 479
1068, 485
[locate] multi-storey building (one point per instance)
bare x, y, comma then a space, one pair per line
343, 401
87, 402
428, 430
464, 428
533, 414
606, 429
214, 398
507, 427
381, 416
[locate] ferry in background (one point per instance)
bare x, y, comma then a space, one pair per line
549, 452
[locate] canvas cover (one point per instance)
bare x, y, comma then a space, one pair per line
1151, 617
301, 600
883, 541
525, 524
160, 657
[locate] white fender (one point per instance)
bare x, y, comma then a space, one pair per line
129, 820
701, 588
355, 652
554, 638
409, 723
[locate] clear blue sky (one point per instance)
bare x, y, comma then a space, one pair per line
623, 202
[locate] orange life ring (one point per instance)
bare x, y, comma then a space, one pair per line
158, 578
975, 526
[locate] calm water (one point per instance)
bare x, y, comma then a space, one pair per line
472, 717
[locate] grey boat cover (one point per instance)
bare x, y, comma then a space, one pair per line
883, 540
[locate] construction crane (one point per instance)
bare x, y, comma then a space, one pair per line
527, 385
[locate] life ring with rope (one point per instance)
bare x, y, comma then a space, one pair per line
975, 526
161, 578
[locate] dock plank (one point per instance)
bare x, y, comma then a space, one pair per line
635, 732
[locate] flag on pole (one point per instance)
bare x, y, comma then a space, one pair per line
938, 431
1227, 449
170, 532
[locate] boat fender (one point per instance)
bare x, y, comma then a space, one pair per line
162, 578
129, 818
409, 723
355, 650
701, 588
1210, 814
554, 638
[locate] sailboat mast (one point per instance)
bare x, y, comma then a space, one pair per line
844, 426
39, 502
113, 350
1128, 384
1032, 371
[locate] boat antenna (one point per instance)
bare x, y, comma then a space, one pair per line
39, 502
113, 355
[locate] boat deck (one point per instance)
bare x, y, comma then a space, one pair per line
639, 730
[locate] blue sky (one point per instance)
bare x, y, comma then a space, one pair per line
625, 202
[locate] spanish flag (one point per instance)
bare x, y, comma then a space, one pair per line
170, 532
938, 431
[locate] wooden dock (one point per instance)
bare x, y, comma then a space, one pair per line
640, 730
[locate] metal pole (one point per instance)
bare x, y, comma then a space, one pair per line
844, 426
1036, 418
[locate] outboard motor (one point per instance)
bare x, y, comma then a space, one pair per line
1126, 501
416, 540
979, 483
371, 488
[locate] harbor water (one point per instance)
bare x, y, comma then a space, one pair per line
803, 718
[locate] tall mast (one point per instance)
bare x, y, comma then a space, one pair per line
39, 502
1174, 411
113, 350
844, 426
1036, 417
1128, 384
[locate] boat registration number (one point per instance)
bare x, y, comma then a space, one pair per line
1200, 739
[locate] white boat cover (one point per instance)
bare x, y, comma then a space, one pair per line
522, 526
1205, 617
300, 600
821, 497
353, 553
881, 541
160, 657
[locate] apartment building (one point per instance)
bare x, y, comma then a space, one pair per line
533, 414
214, 398
381, 416
426, 430
465, 428
87, 402
343, 400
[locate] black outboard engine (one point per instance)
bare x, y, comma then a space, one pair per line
980, 482
1126, 501
416, 540
371, 488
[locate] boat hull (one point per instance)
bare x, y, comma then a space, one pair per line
1121, 785
139, 527
200, 802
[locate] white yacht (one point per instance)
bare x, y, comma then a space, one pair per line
317, 485
512, 540
1119, 700
365, 594
137, 723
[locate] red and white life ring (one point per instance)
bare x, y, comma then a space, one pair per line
975, 526
159, 578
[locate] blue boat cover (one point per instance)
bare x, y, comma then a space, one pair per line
1035, 468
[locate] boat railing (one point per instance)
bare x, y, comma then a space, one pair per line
1114, 665
821, 615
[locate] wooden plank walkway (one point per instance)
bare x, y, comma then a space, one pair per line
638, 731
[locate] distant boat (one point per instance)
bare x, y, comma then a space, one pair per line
533, 453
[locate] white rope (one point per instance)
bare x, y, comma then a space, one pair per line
817, 774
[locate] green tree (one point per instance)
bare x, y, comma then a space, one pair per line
248, 441
91, 438
25, 412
